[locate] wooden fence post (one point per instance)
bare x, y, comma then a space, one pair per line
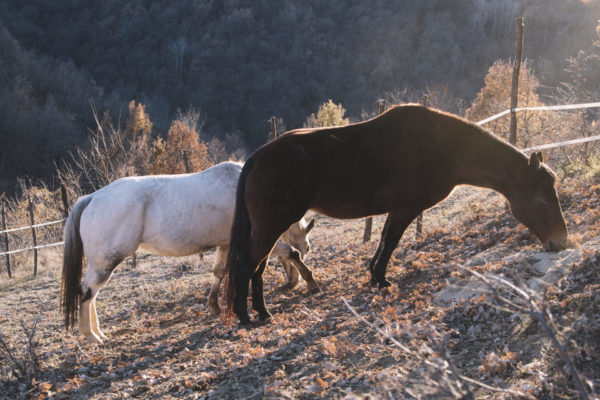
186, 160
6, 241
419, 232
31, 219
369, 221
273, 128
514, 93
65, 202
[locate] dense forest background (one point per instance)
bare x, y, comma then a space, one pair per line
240, 62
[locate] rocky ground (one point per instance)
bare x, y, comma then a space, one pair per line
434, 331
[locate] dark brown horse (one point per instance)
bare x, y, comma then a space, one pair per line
400, 163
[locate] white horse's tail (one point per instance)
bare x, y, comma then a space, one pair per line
72, 263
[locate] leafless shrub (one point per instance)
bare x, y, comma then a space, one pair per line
437, 375
110, 155
517, 298
15, 363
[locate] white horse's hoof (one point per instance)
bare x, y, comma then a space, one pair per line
214, 310
213, 305
289, 285
102, 335
93, 338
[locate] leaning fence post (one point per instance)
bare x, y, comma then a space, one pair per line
6, 241
31, 219
65, 202
369, 220
514, 93
419, 232
273, 128
186, 160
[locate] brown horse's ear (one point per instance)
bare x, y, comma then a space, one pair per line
536, 160
310, 225
541, 156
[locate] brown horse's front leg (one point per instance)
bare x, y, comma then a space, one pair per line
395, 225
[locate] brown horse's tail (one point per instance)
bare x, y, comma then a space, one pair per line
239, 240
72, 263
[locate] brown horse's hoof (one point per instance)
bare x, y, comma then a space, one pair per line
384, 284
313, 288
264, 316
245, 321
381, 283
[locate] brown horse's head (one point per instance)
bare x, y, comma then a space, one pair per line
535, 203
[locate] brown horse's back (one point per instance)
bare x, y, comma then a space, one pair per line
357, 170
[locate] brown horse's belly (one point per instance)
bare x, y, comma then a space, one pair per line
349, 211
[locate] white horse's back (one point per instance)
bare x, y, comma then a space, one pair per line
171, 215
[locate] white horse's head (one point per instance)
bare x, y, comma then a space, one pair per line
297, 236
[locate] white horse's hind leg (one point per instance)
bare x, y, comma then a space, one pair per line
95, 278
95, 325
85, 322
218, 274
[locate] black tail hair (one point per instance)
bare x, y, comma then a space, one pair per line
72, 263
239, 240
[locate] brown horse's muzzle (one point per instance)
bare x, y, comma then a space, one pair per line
557, 242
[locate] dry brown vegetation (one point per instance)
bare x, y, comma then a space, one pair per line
164, 343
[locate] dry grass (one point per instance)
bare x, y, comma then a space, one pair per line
164, 344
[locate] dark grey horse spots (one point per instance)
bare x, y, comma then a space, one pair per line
87, 296
294, 254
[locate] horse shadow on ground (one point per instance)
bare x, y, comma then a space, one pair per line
156, 350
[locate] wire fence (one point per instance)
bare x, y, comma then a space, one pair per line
43, 246
482, 122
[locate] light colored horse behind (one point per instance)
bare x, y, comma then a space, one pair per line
171, 215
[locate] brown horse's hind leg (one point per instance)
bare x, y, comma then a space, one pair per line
395, 225
258, 298
261, 245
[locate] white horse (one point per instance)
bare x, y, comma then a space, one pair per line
171, 215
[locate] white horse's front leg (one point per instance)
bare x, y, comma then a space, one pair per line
293, 264
218, 274
283, 251
293, 277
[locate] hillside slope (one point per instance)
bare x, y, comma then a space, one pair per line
164, 344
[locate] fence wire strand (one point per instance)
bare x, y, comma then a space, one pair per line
42, 246
32, 226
